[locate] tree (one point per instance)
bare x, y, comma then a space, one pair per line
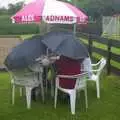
3, 11
13, 8
96, 8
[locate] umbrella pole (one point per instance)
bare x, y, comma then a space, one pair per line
46, 72
48, 27
74, 29
39, 25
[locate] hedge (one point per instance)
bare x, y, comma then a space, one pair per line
7, 27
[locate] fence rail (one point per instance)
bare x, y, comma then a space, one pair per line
109, 43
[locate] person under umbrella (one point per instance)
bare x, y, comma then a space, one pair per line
25, 53
71, 53
65, 43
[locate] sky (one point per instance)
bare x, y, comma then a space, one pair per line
4, 3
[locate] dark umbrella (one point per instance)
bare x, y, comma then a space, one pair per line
25, 53
65, 43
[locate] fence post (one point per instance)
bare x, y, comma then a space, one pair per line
109, 57
90, 45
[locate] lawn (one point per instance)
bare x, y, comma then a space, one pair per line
107, 108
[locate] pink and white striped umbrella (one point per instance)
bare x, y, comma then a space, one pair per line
50, 11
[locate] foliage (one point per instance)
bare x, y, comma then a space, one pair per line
6, 27
3, 11
96, 8
93, 8
13, 8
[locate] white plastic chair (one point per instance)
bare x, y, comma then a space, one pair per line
12, 80
80, 85
94, 71
38, 68
23, 78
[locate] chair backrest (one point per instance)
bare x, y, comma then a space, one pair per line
37, 67
26, 78
66, 66
86, 66
23, 77
101, 65
93, 68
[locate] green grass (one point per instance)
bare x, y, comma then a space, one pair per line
114, 37
106, 108
26, 36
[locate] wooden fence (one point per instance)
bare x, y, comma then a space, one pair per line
107, 53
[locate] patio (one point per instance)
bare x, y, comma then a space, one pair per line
106, 108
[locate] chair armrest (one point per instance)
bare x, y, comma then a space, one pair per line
65, 76
73, 76
95, 70
81, 74
98, 62
23, 74
95, 64
29, 73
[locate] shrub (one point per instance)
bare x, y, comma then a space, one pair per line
7, 27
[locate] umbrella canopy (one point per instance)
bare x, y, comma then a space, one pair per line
50, 11
25, 53
64, 43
